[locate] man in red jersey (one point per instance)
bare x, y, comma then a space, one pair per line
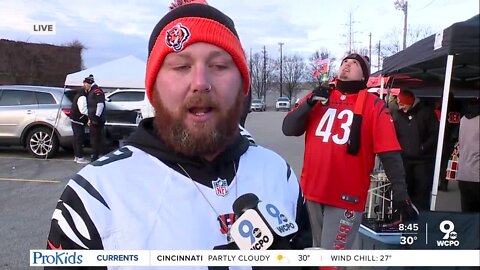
343, 133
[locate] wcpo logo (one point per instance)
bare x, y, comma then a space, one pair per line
250, 232
278, 220
450, 236
44, 28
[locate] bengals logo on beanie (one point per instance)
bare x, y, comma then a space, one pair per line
176, 37
187, 23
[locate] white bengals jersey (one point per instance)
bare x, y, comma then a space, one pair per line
244, 132
131, 200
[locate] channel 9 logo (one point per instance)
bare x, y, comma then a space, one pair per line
278, 220
250, 232
447, 227
247, 230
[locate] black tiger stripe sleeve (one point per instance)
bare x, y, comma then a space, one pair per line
72, 226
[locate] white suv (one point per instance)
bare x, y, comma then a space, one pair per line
130, 99
283, 103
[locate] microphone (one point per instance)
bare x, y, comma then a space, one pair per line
261, 225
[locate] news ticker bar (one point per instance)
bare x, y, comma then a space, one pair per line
255, 258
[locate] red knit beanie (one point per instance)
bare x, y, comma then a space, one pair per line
188, 23
406, 97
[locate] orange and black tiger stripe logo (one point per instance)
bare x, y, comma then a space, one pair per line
176, 36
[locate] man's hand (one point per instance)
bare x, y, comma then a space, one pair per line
319, 93
407, 210
92, 122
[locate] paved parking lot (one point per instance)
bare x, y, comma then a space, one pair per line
30, 188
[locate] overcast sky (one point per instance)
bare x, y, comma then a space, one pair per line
113, 29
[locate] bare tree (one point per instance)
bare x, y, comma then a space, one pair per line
261, 78
256, 74
294, 71
362, 51
417, 33
391, 44
79, 45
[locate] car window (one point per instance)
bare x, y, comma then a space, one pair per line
127, 96
283, 99
257, 101
17, 97
45, 98
70, 94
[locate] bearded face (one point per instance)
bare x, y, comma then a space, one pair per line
202, 138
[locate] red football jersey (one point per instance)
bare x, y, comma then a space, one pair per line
330, 175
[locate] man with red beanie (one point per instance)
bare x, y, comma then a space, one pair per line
417, 131
174, 183
343, 133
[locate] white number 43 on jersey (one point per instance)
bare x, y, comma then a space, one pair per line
324, 128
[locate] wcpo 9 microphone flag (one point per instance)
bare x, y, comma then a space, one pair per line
251, 232
261, 225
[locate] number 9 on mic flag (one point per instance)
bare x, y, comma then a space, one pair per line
250, 232
278, 219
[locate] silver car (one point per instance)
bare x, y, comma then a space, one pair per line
258, 105
28, 115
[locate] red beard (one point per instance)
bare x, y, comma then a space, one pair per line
203, 139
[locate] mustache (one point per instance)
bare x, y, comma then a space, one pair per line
201, 100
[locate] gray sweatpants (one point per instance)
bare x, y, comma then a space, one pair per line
333, 227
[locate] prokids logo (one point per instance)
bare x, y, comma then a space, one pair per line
277, 219
450, 236
39, 258
250, 232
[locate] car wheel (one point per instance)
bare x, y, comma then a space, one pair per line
40, 143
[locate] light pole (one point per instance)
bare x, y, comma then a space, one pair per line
251, 67
281, 68
403, 6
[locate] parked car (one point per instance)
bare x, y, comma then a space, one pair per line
283, 103
258, 105
130, 99
125, 108
36, 117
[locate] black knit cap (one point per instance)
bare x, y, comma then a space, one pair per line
89, 79
364, 63
191, 10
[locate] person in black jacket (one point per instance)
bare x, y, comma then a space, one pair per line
79, 118
96, 115
417, 130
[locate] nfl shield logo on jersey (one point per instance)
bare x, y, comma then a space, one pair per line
220, 186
